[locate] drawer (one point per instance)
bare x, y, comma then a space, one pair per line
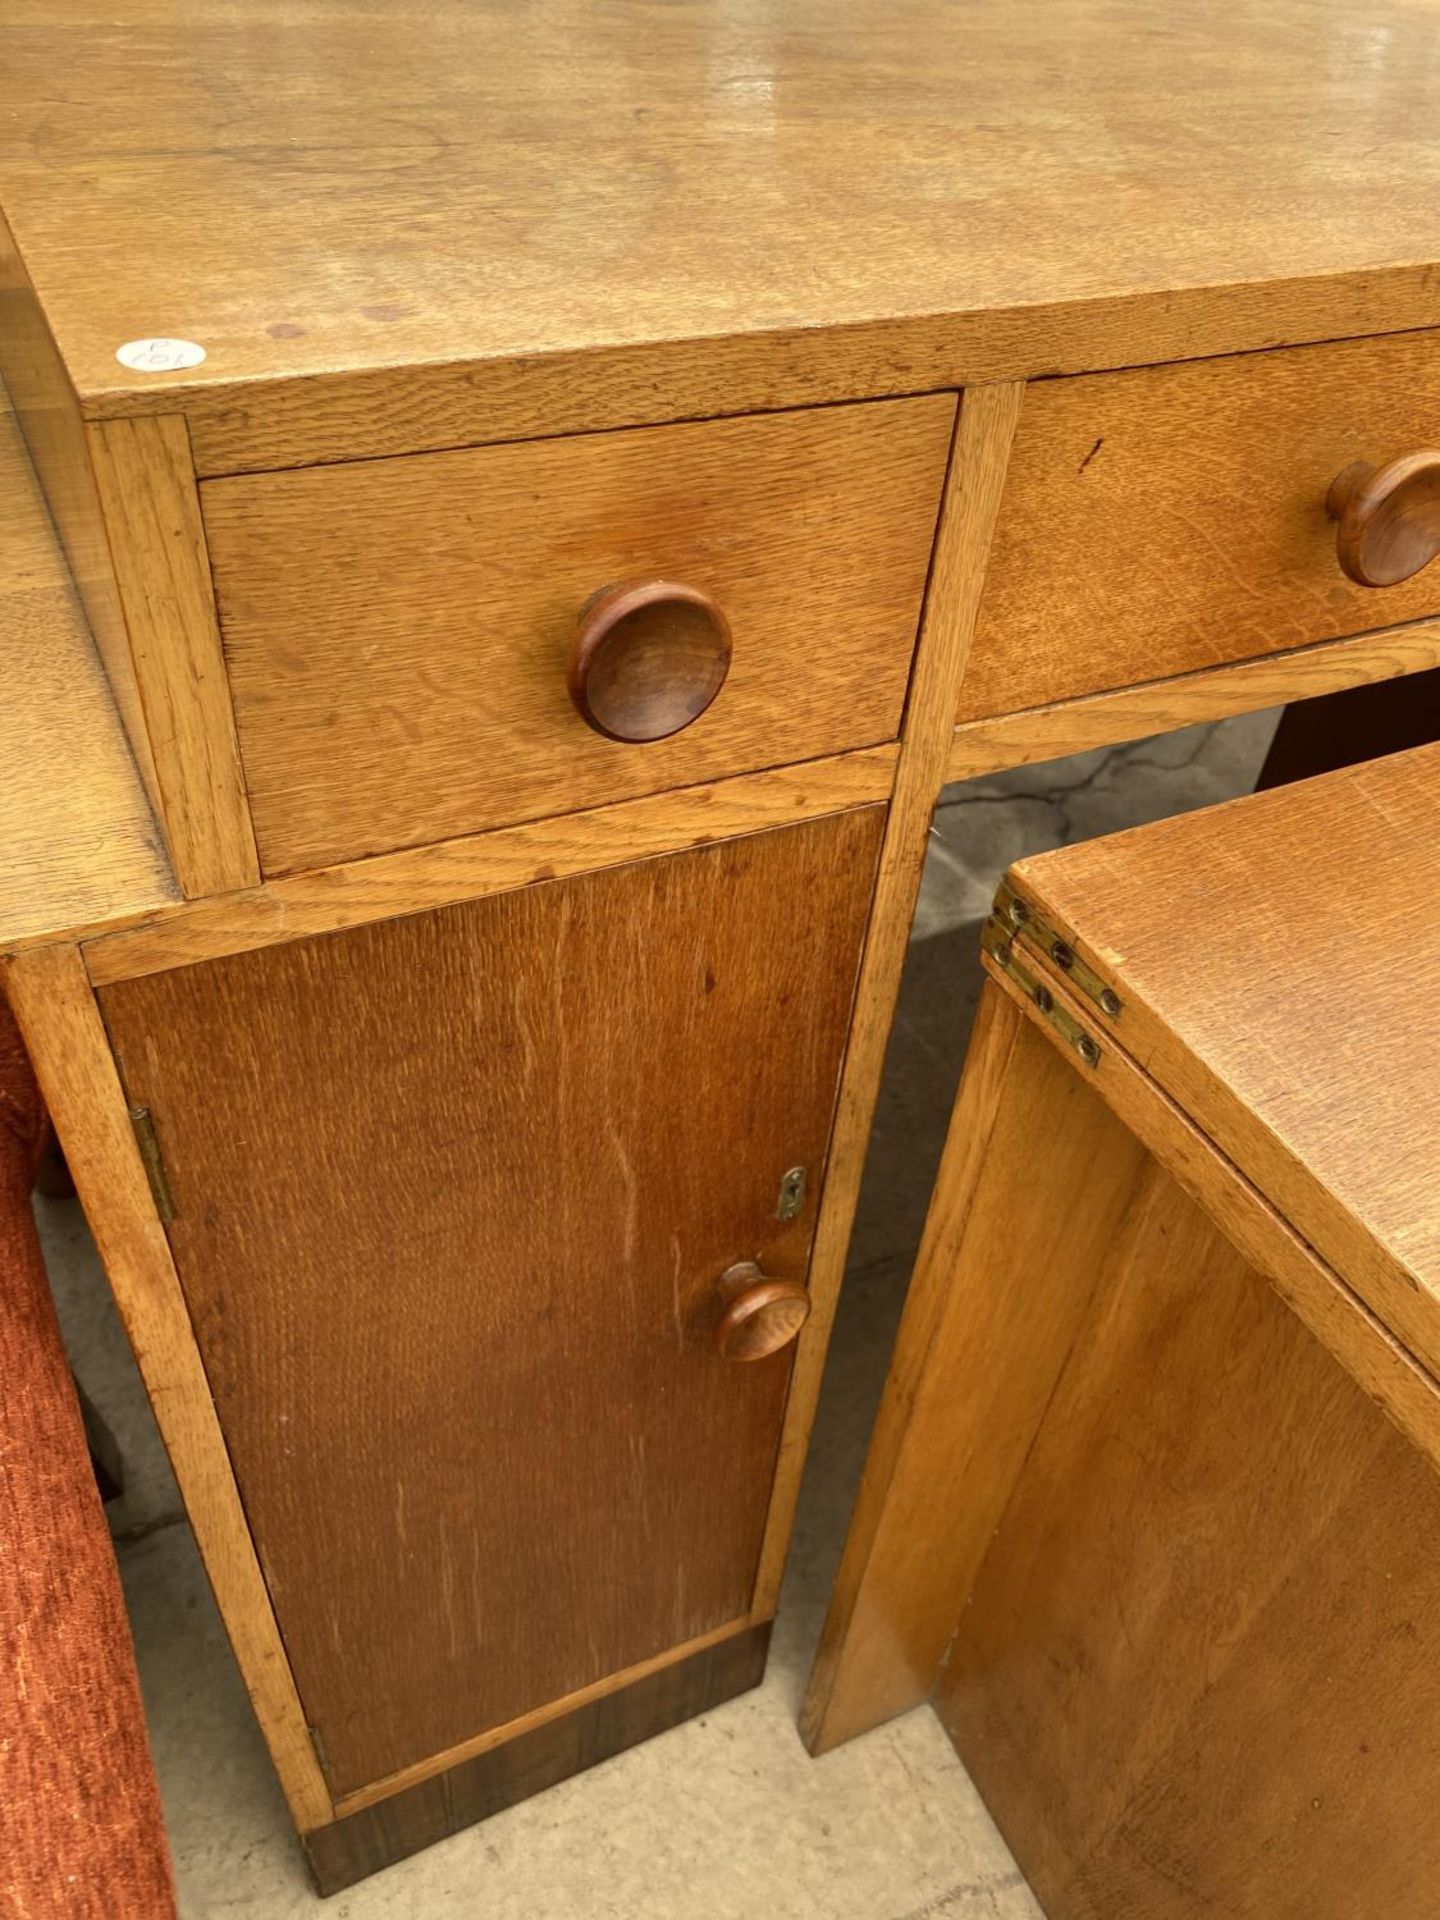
1172, 518
396, 632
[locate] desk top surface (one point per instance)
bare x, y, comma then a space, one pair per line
1279, 959
320, 187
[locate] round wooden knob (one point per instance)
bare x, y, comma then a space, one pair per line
1389, 517
649, 656
759, 1316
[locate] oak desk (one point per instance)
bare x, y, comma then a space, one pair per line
1152, 1504
489, 1065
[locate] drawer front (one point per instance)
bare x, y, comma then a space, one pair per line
396, 632
1172, 518
453, 1193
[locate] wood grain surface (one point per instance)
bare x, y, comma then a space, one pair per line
497, 862
54, 432
79, 842
56, 1011
1169, 519
123, 500
452, 1195
1335, 1314
1000, 1287
1304, 675
972, 497
516, 1733
146, 486
596, 210
1196, 1673
975, 1360
397, 632
1274, 956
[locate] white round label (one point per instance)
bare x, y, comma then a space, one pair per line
159, 356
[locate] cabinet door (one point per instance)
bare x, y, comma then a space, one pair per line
452, 1196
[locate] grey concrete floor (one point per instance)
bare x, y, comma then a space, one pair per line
726, 1818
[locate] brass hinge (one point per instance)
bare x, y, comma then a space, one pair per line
317, 1741
154, 1164
1020, 917
998, 940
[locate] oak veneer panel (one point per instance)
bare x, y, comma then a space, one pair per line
452, 1195
972, 496
78, 839
1036, 1229
1169, 519
329, 898
49, 418
469, 221
1191, 1655
396, 631
146, 482
1277, 958
65, 1037
1197, 1672
1332, 1311
123, 499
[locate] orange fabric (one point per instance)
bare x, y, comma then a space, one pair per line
80, 1824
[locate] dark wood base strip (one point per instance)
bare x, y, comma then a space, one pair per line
362, 1843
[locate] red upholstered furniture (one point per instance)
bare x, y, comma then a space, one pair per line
80, 1827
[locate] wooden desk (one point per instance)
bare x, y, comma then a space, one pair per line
986, 370
1152, 1505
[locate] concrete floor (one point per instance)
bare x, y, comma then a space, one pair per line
726, 1818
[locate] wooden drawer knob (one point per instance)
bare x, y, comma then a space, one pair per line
759, 1316
1389, 517
649, 657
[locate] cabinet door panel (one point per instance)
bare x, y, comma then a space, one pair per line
452, 1194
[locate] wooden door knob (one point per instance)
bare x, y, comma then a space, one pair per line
758, 1315
648, 657
1389, 517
